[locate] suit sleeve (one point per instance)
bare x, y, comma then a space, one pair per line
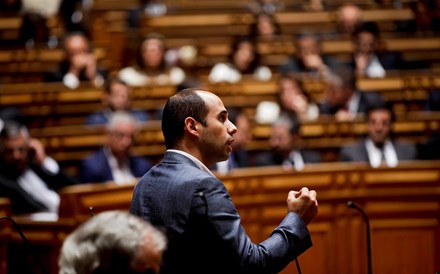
290, 239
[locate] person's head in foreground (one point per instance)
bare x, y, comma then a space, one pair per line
113, 242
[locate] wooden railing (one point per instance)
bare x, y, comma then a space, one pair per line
5, 232
69, 144
402, 204
30, 65
52, 104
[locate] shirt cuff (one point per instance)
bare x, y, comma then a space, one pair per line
51, 165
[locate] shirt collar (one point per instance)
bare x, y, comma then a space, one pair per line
192, 158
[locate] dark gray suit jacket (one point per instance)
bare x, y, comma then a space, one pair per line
203, 226
268, 158
358, 152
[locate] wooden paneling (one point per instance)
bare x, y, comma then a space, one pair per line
5, 231
404, 217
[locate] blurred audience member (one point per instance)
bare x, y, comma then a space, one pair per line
292, 100
379, 147
113, 242
342, 99
76, 15
34, 30
266, 6
28, 177
239, 156
79, 65
265, 28
151, 66
145, 9
286, 147
314, 5
349, 16
117, 97
244, 60
45, 8
369, 57
114, 161
308, 58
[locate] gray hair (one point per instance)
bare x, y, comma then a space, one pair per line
120, 117
109, 243
13, 129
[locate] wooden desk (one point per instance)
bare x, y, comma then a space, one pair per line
5, 233
402, 204
29, 65
69, 144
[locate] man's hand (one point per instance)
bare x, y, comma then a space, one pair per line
303, 203
39, 153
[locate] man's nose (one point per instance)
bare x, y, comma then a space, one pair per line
232, 129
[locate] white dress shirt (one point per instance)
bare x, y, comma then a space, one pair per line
375, 154
37, 189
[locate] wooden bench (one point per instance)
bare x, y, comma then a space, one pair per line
110, 24
50, 104
214, 50
69, 144
402, 204
5, 233
215, 24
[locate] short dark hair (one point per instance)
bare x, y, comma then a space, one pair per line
185, 103
113, 80
385, 105
369, 26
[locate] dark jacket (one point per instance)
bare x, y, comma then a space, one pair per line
96, 169
203, 225
21, 201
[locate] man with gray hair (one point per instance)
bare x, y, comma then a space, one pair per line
113, 242
28, 177
114, 161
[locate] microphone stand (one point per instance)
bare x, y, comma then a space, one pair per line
351, 204
26, 243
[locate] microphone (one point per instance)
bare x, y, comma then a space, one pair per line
351, 204
28, 246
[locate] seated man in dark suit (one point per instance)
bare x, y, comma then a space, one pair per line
369, 59
79, 64
342, 99
379, 147
309, 59
114, 162
285, 141
116, 97
28, 177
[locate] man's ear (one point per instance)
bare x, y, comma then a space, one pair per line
191, 126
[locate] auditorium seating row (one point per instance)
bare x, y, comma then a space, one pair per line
29, 65
49, 104
204, 31
69, 144
402, 204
